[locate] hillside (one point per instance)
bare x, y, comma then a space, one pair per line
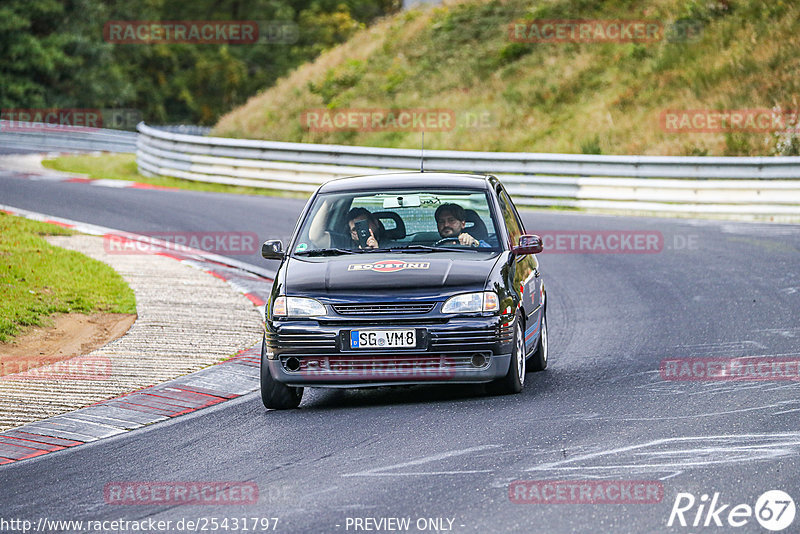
590, 97
72, 54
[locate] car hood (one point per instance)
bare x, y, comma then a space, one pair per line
358, 273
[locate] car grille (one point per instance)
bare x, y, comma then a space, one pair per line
383, 309
468, 339
306, 341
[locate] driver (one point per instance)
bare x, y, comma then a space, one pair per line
450, 221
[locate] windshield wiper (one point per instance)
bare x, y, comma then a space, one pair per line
325, 252
407, 248
428, 248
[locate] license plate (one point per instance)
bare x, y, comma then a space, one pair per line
383, 339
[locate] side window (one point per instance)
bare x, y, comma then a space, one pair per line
509, 216
516, 215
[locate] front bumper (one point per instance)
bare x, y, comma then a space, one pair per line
449, 351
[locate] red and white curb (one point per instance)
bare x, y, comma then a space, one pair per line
226, 380
29, 167
100, 182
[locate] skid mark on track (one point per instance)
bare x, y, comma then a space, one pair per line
766, 407
788, 332
384, 471
759, 230
672, 456
722, 348
707, 389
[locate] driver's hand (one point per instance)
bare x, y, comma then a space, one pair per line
371, 241
467, 240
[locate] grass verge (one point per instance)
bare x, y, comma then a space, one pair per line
38, 279
123, 167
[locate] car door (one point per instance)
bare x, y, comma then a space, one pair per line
526, 272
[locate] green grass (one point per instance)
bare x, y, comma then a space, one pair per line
123, 167
38, 279
596, 98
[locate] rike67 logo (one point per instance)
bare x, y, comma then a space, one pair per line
774, 510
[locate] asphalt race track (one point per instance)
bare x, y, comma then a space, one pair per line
602, 410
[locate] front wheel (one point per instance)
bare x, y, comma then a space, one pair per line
276, 395
538, 360
515, 378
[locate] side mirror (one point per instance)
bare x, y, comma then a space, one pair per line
528, 244
272, 250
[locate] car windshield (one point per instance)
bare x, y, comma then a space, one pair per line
398, 220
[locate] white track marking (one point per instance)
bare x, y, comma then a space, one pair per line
381, 471
678, 454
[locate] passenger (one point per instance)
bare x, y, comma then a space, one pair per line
451, 220
323, 239
363, 214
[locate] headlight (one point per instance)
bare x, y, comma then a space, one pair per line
486, 301
297, 307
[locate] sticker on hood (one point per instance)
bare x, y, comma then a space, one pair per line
388, 266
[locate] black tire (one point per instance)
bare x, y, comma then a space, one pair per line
515, 378
538, 360
276, 395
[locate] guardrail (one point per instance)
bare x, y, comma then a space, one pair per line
767, 186
47, 137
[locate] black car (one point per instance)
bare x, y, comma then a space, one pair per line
405, 278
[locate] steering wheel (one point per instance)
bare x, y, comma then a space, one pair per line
445, 240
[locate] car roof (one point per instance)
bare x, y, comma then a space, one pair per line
414, 180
